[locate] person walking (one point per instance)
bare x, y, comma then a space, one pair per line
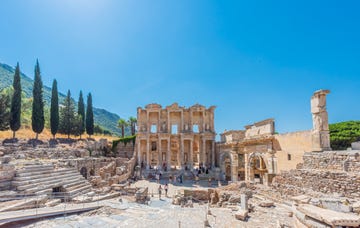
159, 189
166, 187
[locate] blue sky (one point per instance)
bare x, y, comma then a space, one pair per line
252, 59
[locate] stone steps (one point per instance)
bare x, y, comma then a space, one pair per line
50, 174
54, 180
77, 191
36, 173
27, 181
42, 179
35, 168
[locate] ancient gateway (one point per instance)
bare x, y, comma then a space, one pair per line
184, 138
175, 137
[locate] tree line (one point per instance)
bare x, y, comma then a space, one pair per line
64, 118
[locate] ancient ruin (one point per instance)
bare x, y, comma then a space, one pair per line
253, 177
176, 137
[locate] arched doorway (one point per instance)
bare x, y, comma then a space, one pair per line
225, 166
83, 172
257, 167
227, 169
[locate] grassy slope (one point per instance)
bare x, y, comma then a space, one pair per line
102, 117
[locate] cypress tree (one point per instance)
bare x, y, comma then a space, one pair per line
37, 117
67, 115
81, 114
89, 116
15, 112
54, 109
4, 111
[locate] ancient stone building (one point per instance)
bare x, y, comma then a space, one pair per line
175, 137
258, 153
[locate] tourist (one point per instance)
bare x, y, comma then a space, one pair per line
170, 178
157, 178
166, 189
159, 189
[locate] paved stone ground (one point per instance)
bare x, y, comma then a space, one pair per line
161, 213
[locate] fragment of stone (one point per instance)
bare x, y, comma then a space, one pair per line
330, 217
301, 199
266, 203
241, 215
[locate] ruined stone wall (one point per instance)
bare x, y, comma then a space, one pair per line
125, 150
7, 172
301, 181
323, 172
347, 160
290, 148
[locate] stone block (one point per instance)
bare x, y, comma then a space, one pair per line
266, 203
241, 215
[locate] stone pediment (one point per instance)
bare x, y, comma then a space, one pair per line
197, 107
173, 106
153, 106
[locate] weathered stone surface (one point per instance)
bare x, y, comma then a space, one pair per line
329, 217
266, 203
297, 182
241, 215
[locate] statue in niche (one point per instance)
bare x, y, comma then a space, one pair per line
207, 127
163, 126
186, 127
143, 128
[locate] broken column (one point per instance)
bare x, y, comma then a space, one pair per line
320, 131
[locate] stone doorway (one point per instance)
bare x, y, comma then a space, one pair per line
257, 168
227, 169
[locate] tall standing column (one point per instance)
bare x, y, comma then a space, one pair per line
247, 168
191, 157
148, 154
320, 131
213, 154
203, 152
182, 153
168, 155
139, 152
159, 154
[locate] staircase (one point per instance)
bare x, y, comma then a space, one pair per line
41, 179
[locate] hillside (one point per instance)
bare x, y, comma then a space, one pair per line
343, 134
102, 117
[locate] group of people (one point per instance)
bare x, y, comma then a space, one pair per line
166, 188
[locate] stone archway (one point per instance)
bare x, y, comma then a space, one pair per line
83, 172
257, 167
228, 166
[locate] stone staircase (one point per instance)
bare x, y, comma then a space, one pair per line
41, 179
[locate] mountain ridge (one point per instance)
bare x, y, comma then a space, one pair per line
102, 117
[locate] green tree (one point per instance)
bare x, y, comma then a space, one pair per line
132, 123
98, 130
54, 109
4, 111
67, 116
89, 116
37, 118
15, 117
122, 124
81, 114
77, 125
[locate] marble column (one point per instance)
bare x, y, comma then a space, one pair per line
159, 154
203, 152
168, 154
139, 152
247, 168
148, 154
191, 157
182, 153
213, 154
